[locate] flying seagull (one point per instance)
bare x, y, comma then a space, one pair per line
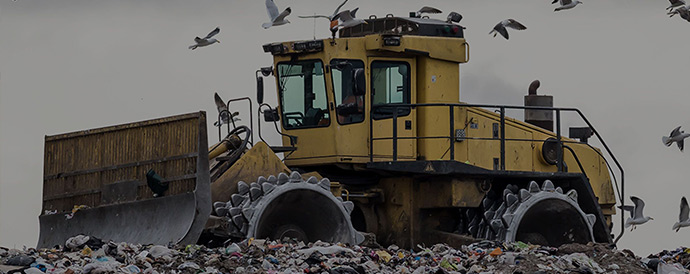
329, 17
501, 27
225, 115
636, 215
677, 136
566, 4
675, 4
276, 18
346, 20
426, 9
202, 42
682, 11
683, 218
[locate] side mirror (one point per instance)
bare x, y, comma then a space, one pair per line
360, 82
260, 89
271, 115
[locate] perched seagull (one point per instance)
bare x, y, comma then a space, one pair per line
346, 20
276, 18
636, 215
426, 9
225, 115
566, 4
677, 136
202, 42
675, 4
683, 218
501, 27
329, 17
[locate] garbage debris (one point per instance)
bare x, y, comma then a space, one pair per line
290, 256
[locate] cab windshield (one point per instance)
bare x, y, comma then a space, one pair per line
302, 88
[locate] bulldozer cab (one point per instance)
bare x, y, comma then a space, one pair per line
337, 94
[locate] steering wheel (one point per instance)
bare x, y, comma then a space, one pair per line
233, 156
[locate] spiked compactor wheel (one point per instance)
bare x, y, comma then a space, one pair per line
545, 216
289, 206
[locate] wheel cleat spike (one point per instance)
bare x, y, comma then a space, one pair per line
548, 186
219, 204
325, 184
489, 214
261, 180
295, 177
283, 178
237, 199
524, 195
248, 213
313, 180
559, 190
505, 193
497, 225
572, 194
359, 238
272, 179
511, 199
501, 209
533, 187
267, 187
244, 229
234, 211
486, 203
238, 220
242, 188
255, 193
349, 206
507, 219
513, 188
339, 199
222, 211
591, 219
254, 185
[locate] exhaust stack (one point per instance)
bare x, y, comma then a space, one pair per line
540, 118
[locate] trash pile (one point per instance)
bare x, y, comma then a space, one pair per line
84, 254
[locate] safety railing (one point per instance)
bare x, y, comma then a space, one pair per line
620, 190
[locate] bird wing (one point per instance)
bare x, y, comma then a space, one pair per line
554, 2
675, 132
272, 10
220, 104
566, 2
314, 16
628, 209
680, 144
212, 33
684, 210
427, 9
198, 40
501, 29
639, 207
283, 14
677, 2
515, 24
344, 16
353, 12
337, 10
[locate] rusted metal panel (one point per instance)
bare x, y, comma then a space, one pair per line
85, 167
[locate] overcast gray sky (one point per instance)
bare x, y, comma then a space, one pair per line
71, 65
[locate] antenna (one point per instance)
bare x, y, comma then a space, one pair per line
314, 26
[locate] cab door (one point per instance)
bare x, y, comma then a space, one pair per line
392, 81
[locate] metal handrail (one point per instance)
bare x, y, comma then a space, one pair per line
620, 191
251, 118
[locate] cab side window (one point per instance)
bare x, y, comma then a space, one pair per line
390, 84
302, 89
349, 87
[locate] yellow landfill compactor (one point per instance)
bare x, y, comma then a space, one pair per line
375, 141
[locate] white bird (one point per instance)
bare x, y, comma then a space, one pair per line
675, 4
225, 115
566, 4
427, 9
346, 20
501, 27
636, 215
276, 18
202, 42
684, 217
329, 17
677, 136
